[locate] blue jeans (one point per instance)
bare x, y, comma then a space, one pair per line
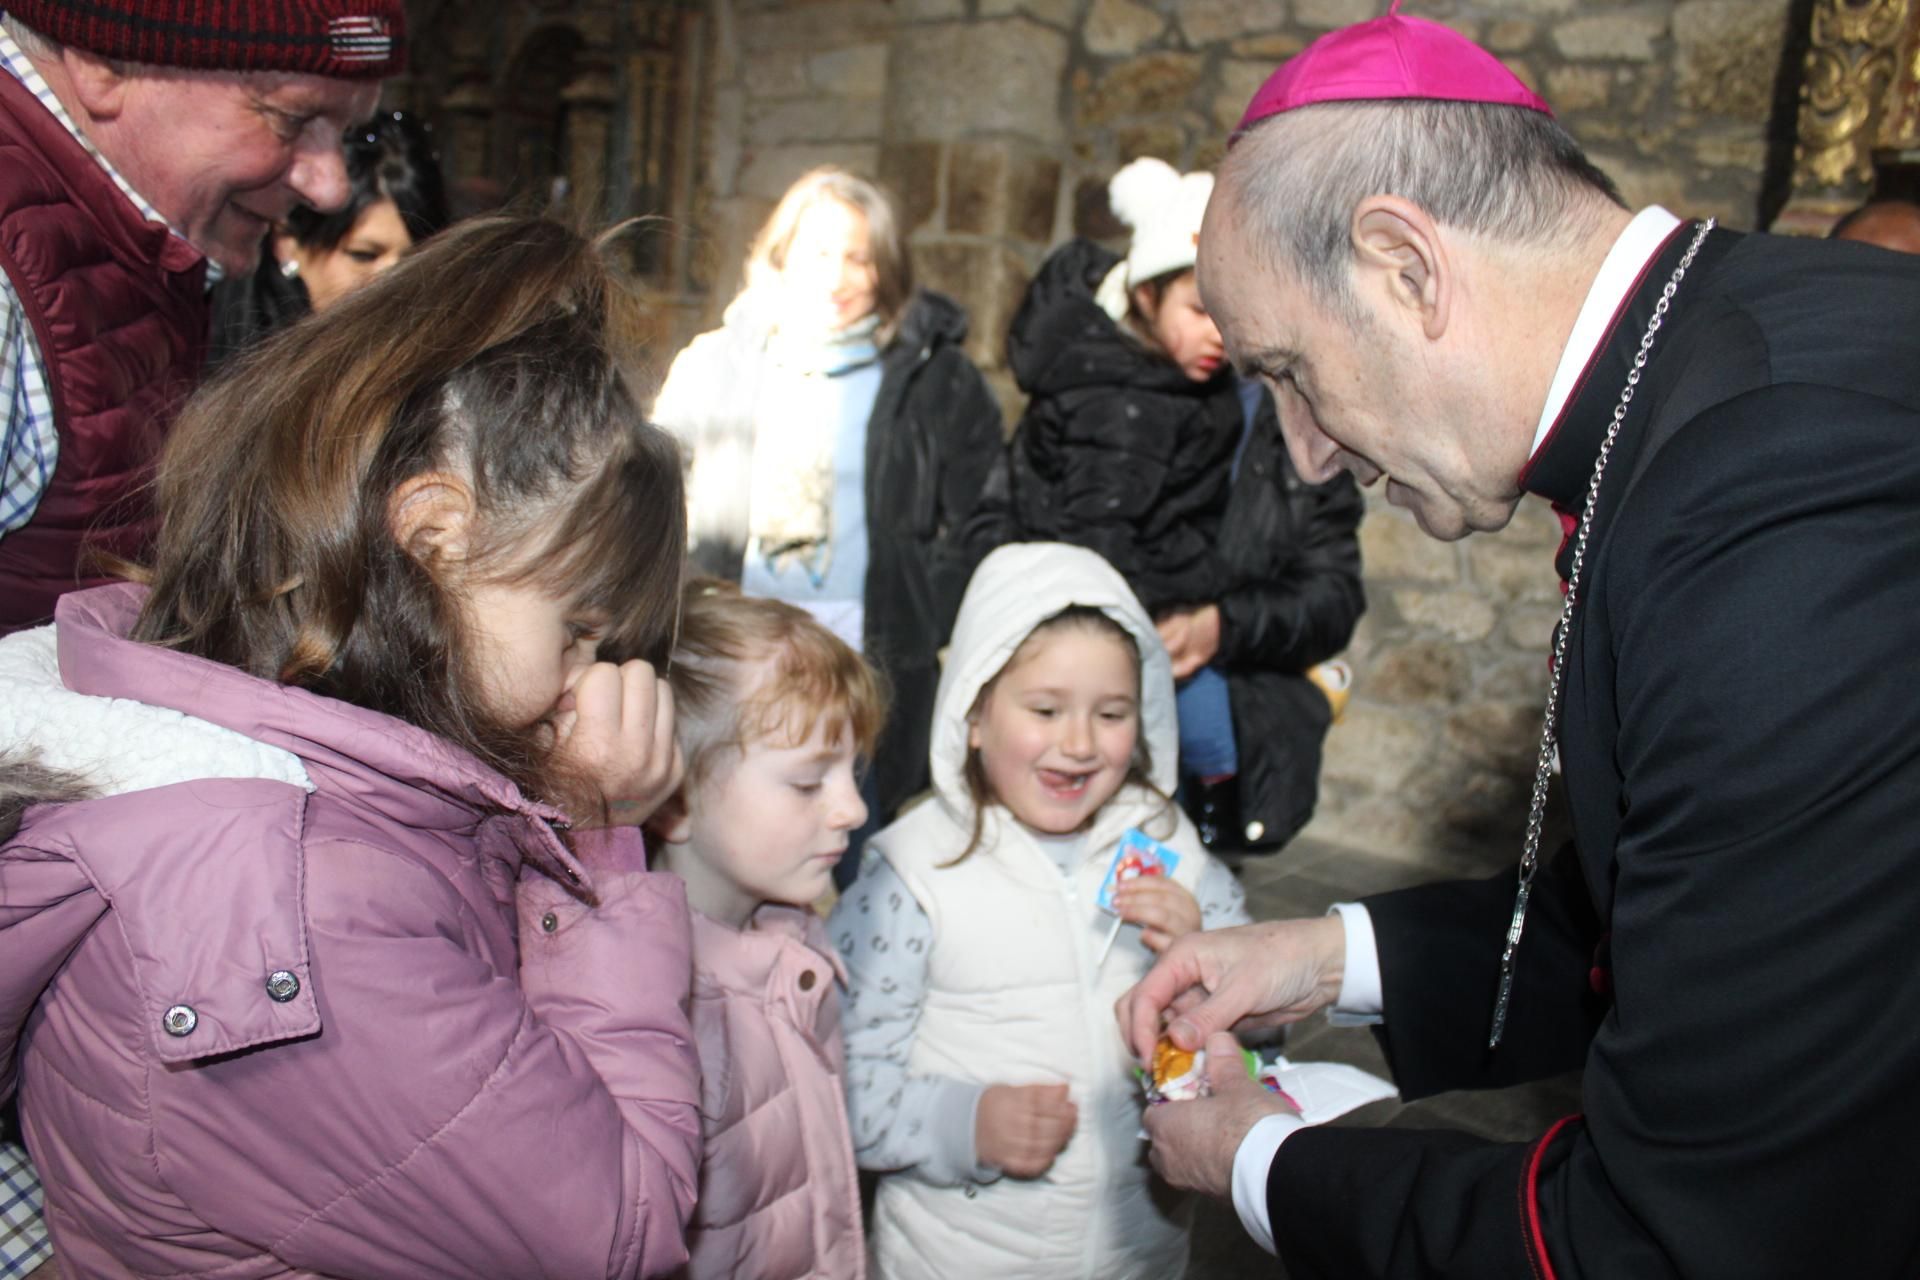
1207, 748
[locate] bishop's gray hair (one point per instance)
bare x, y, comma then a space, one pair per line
1507, 173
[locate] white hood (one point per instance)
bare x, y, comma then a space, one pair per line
1014, 590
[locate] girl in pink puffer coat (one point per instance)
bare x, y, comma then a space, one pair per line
775, 713
339, 954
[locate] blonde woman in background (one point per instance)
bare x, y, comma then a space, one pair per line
838, 438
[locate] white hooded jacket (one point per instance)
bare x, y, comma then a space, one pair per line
1015, 991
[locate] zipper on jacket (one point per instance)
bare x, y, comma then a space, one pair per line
1096, 1233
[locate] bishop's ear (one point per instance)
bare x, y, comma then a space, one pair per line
1400, 258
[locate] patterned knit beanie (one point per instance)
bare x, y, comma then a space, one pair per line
344, 39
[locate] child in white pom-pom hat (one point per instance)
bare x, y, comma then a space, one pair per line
1129, 442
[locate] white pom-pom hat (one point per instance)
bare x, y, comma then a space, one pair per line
1164, 207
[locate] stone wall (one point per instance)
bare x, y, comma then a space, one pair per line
997, 123
792, 86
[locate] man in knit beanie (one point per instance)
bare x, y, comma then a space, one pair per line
144, 145
1448, 298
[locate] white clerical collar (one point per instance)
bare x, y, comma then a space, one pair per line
1629, 256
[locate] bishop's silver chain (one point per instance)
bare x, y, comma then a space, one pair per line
1549, 730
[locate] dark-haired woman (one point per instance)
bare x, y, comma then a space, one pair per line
398, 199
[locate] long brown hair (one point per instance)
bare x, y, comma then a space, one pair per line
495, 353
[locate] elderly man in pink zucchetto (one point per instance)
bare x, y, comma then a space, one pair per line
1449, 298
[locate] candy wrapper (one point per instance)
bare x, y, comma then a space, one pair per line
1139, 855
1180, 1076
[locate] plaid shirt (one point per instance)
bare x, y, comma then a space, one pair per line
24, 1244
29, 445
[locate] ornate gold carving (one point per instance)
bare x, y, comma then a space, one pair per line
1859, 68
1849, 69
1900, 127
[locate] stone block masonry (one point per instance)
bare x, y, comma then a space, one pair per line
997, 124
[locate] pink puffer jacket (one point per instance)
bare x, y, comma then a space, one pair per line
779, 1198
352, 1028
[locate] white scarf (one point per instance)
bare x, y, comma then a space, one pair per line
791, 495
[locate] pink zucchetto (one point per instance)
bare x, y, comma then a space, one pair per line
1389, 57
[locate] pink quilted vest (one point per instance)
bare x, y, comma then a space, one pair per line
779, 1198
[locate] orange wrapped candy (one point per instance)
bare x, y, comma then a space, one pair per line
1178, 1074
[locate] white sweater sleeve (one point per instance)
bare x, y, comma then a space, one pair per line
901, 1121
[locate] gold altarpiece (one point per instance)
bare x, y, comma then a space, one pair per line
1859, 130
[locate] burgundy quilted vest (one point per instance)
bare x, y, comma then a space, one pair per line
118, 308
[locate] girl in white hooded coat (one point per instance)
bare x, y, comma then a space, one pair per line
987, 1079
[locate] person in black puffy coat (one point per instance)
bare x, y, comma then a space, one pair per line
1132, 420
1290, 598
1139, 443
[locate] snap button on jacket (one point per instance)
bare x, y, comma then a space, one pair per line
389, 1069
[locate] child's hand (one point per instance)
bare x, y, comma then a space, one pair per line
616, 728
1163, 910
1020, 1128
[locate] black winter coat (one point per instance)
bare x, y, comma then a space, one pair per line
1290, 598
1282, 562
1729, 953
932, 438
1119, 451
